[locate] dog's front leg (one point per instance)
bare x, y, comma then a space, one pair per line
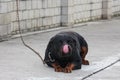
57, 67
68, 68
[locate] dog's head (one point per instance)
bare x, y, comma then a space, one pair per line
63, 45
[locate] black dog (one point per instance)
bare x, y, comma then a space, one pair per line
66, 51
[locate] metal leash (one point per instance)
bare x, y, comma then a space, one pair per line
17, 13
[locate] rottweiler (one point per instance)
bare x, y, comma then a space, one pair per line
66, 51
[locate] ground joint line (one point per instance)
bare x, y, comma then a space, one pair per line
95, 72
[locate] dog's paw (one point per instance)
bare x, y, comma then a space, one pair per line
85, 62
67, 70
58, 69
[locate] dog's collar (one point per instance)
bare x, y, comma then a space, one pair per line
50, 58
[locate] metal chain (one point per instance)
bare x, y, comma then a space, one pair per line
20, 32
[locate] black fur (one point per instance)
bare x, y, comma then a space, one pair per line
54, 54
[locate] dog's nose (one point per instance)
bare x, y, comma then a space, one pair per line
65, 49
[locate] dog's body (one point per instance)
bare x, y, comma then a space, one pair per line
66, 51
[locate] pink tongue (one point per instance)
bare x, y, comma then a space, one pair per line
65, 49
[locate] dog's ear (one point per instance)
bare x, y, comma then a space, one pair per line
51, 42
49, 48
75, 42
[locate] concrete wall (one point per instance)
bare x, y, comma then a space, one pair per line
85, 10
116, 7
36, 15
43, 14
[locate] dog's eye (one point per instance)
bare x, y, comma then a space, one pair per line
72, 42
61, 41
69, 41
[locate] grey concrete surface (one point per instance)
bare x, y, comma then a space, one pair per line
19, 63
